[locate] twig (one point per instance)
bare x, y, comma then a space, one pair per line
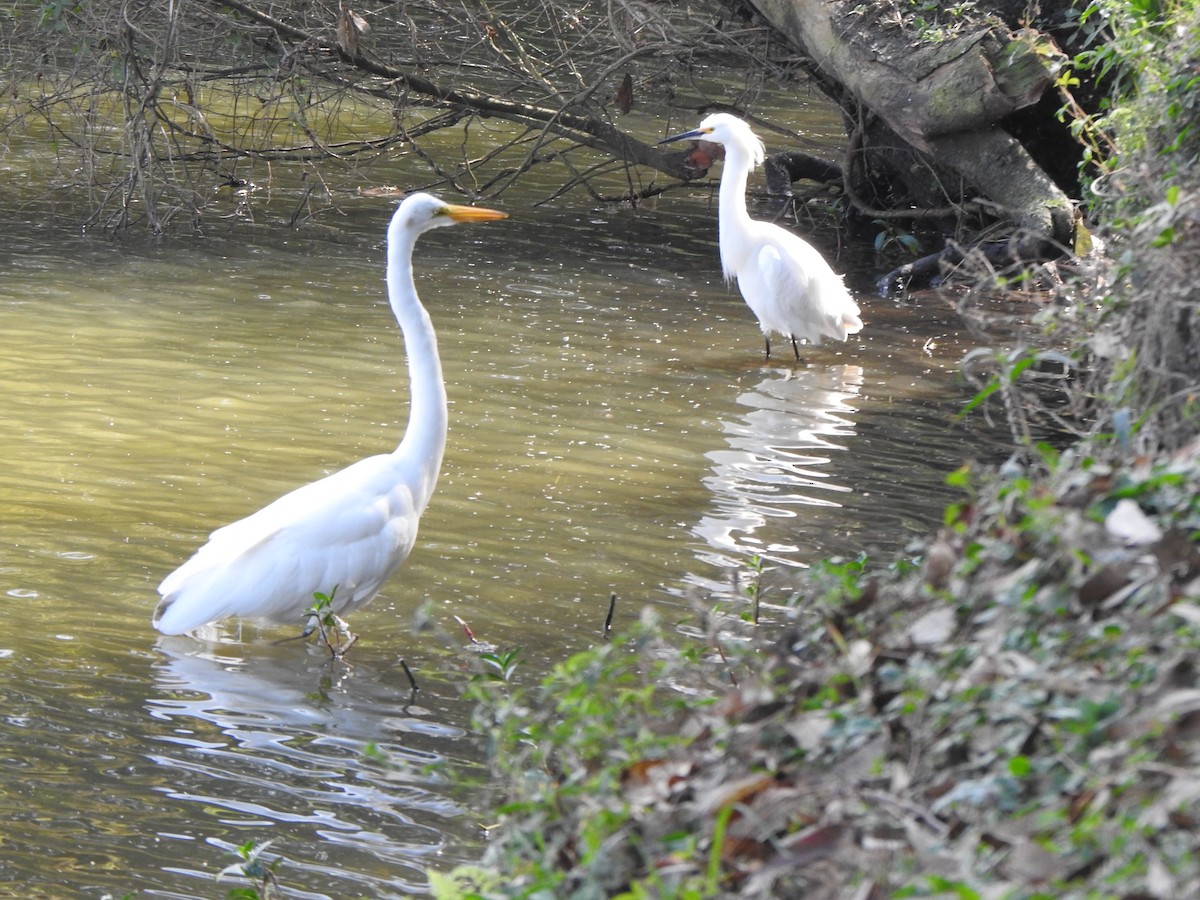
407, 671
716, 642
937, 212
467, 628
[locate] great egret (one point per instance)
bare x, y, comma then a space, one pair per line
784, 280
345, 534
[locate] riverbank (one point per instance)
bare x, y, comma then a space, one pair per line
1015, 717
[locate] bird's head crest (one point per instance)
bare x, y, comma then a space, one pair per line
728, 129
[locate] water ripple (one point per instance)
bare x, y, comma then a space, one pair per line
782, 457
264, 740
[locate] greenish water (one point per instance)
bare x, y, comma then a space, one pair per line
613, 430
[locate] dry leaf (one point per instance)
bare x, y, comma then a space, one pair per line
1102, 584
1189, 612
650, 781
808, 729
350, 26
1030, 863
1127, 523
813, 844
933, 628
737, 791
1159, 880
939, 562
625, 94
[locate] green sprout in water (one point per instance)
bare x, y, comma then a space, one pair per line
501, 665
753, 588
264, 884
331, 630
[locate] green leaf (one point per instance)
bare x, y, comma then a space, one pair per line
960, 478
980, 397
1165, 238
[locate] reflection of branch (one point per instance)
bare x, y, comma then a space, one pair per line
587, 130
222, 150
420, 84
166, 98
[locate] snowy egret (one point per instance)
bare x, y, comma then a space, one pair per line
345, 534
784, 280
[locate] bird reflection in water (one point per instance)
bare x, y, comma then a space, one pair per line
780, 466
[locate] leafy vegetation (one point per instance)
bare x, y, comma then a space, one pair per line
1015, 717
1143, 184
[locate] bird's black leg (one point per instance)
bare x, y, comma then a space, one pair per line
795, 349
767, 340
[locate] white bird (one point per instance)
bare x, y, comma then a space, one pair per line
784, 280
345, 534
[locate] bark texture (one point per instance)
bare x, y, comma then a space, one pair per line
945, 100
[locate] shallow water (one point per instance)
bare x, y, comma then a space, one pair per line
614, 429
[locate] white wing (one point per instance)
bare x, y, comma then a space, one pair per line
348, 531
801, 295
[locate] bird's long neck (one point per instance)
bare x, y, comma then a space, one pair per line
733, 219
424, 439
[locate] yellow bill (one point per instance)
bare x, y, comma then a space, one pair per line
472, 213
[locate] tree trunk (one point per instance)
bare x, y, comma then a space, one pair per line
943, 101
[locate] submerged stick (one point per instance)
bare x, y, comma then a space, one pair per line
407, 671
612, 607
467, 628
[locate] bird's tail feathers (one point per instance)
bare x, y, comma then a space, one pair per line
852, 323
171, 618
844, 313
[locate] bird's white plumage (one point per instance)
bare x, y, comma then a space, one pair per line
786, 283
352, 529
